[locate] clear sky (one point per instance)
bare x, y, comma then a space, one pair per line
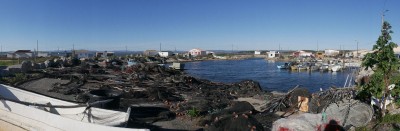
186, 24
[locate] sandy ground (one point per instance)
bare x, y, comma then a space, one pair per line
42, 86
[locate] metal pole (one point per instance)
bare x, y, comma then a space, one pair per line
357, 51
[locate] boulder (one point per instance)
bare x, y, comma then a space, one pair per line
14, 69
246, 88
26, 66
48, 63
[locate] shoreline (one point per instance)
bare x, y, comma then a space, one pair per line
177, 93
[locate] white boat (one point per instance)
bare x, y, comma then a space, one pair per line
335, 68
17, 114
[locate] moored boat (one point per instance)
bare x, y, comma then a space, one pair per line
335, 68
285, 66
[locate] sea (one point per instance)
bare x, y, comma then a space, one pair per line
267, 74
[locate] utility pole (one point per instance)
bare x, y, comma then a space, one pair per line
232, 48
357, 50
34, 56
279, 47
73, 50
37, 47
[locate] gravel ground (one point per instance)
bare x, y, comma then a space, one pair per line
179, 123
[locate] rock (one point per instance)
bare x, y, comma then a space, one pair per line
35, 66
42, 66
57, 62
246, 88
26, 66
48, 63
14, 69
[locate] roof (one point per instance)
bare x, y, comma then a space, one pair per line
23, 51
196, 49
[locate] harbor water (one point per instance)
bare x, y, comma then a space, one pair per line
266, 73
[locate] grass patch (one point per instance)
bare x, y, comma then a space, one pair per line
8, 62
193, 112
363, 128
17, 78
390, 119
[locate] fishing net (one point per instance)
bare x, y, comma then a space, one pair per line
350, 113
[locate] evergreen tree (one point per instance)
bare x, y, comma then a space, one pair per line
383, 62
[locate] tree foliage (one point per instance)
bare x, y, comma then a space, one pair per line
384, 63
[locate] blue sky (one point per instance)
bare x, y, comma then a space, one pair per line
186, 24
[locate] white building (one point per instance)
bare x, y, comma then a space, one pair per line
257, 52
197, 52
165, 53
329, 52
272, 54
20, 54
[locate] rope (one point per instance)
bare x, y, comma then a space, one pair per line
57, 106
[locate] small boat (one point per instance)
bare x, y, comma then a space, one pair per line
285, 66
301, 67
312, 68
324, 67
335, 68
24, 110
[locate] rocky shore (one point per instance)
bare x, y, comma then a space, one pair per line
162, 98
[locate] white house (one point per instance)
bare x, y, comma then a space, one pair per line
197, 52
257, 52
272, 54
165, 53
301, 53
20, 54
329, 52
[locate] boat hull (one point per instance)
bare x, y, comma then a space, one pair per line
34, 118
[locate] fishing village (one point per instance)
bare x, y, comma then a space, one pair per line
151, 91
102, 65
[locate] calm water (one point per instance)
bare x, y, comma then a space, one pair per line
269, 76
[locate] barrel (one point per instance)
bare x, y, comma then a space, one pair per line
101, 95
